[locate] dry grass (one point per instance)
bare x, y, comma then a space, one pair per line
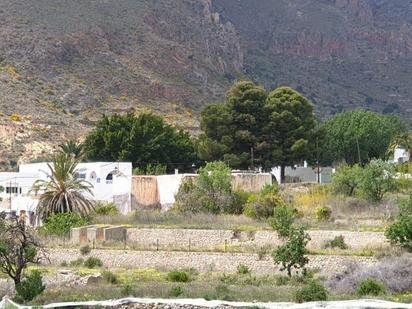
172, 219
154, 284
395, 272
348, 213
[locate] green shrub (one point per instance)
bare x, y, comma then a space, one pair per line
293, 253
323, 213
228, 279
400, 232
64, 264
313, 291
30, 287
243, 269
176, 291
93, 262
347, 180
239, 201
377, 180
372, 287
106, 209
77, 263
178, 276
85, 250
337, 242
127, 290
282, 280
211, 192
109, 277
61, 224
151, 169
262, 206
283, 219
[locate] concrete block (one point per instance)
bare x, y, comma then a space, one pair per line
116, 233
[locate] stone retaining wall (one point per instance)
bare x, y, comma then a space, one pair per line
210, 239
201, 261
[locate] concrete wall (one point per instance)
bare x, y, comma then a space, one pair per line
160, 191
251, 182
201, 261
212, 239
144, 192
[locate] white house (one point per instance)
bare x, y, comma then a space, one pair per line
401, 155
111, 182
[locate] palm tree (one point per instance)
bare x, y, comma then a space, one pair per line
73, 147
62, 192
403, 141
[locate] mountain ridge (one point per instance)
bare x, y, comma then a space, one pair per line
65, 63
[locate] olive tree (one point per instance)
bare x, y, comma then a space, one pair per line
18, 248
293, 254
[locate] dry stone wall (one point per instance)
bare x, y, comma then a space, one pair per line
212, 239
202, 261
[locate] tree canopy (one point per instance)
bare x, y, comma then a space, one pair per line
231, 130
143, 139
275, 129
359, 136
288, 130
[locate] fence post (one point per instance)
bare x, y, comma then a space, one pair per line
157, 244
225, 245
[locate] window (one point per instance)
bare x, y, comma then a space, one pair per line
109, 178
80, 175
15, 190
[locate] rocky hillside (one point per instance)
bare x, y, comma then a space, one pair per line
65, 62
340, 53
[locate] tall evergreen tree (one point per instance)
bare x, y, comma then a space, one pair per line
288, 130
231, 131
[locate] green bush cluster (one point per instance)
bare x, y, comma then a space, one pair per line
243, 269
30, 287
178, 276
176, 291
283, 218
93, 262
337, 242
313, 291
262, 205
212, 192
77, 263
109, 277
372, 287
60, 224
85, 250
400, 232
323, 213
371, 182
106, 209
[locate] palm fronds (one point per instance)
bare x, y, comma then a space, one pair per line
62, 192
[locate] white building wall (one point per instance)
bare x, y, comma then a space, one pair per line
401, 155
117, 189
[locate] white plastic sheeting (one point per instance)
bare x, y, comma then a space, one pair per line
353, 304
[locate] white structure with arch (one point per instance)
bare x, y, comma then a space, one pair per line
111, 182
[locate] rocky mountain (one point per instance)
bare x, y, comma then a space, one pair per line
63, 63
